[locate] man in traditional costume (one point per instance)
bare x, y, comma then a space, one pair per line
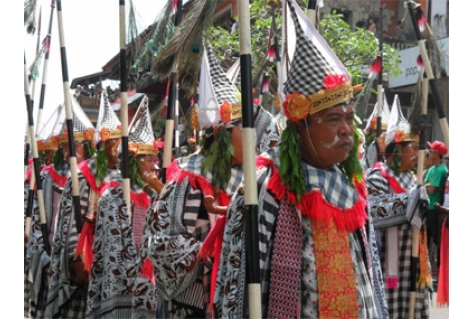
46, 144
70, 269
185, 228
118, 235
390, 185
54, 177
373, 143
315, 260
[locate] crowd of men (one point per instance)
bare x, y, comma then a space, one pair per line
333, 237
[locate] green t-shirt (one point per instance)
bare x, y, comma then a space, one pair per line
436, 176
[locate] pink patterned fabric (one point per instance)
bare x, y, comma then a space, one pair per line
286, 264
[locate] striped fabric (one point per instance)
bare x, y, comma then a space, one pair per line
181, 232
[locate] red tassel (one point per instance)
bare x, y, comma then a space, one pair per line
421, 18
84, 245
271, 52
148, 271
265, 84
392, 282
375, 68
420, 64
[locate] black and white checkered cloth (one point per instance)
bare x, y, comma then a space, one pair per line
224, 90
77, 125
109, 119
308, 67
332, 182
140, 131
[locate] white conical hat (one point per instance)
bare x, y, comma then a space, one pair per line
140, 135
372, 121
108, 124
309, 65
51, 128
83, 128
216, 93
398, 129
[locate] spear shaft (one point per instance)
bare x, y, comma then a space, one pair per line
250, 186
70, 127
35, 170
444, 127
172, 103
45, 68
124, 108
380, 78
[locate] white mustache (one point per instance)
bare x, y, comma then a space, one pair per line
413, 157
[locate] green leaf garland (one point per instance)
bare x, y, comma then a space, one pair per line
219, 159
352, 164
135, 178
102, 161
291, 171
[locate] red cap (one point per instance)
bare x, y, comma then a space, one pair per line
439, 147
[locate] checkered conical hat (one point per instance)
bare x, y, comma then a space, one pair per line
315, 71
219, 99
398, 129
140, 135
82, 126
48, 137
372, 121
108, 124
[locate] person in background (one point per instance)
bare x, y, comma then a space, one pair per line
443, 277
434, 182
398, 32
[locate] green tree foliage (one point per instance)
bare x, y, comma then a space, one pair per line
356, 48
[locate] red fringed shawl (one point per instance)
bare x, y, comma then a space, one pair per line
315, 206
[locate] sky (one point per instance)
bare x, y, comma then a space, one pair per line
91, 39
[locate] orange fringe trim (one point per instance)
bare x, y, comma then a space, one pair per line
314, 206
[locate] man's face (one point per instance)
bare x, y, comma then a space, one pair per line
331, 132
434, 157
146, 165
80, 151
409, 156
48, 157
111, 149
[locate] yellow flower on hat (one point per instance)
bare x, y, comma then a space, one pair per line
104, 134
399, 136
41, 146
133, 148
54, 141
296, 106
89, 134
